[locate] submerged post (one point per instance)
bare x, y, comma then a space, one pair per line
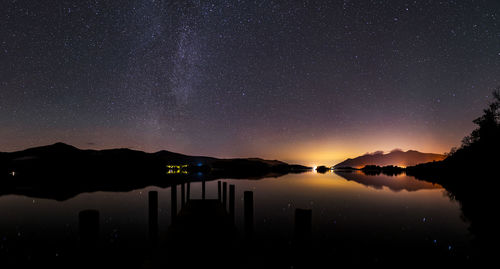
218, 191
183, 195
303, 223
173, 198
231, 202
224, 195
203, 189
89, 228
248, 205
153, 217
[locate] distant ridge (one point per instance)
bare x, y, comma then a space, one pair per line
396, 157
61, 171
61, 153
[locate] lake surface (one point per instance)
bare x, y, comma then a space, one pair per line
355, 218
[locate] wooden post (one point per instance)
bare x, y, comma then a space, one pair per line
188, 191
303, 223
248, 205
224, 195
218, 191
183, 195
89, 228
153, 217
173, 198
231, 202
203, 189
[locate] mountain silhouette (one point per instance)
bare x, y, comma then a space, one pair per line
39, 159
395, 157
61, 171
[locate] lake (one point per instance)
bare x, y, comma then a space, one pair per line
356, 219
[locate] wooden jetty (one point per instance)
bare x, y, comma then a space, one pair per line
200, 232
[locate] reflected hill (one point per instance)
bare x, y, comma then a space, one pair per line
394, 183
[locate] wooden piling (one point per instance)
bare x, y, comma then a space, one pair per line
203, 189
153, 216
173, 198
248, 207
303, 223
224, 195
231, 202
89, 228
219, 191
183, 195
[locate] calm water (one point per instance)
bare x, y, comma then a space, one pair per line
352, 214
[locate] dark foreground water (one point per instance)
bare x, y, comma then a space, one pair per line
356, 219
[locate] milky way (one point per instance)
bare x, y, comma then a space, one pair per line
293, 80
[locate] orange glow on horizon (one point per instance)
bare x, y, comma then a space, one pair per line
311, 151
329, 152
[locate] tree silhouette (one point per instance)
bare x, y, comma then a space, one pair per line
480, 147
465, 173
488, 124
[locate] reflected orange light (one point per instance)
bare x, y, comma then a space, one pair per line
327, 180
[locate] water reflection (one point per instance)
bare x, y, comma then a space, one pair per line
339, 221
393, 182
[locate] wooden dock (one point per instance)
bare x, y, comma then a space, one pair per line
202, 233
201, 219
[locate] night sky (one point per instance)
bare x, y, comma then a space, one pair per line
300, 81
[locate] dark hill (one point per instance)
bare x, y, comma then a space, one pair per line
61, 171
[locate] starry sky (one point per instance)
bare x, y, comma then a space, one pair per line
301, 81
